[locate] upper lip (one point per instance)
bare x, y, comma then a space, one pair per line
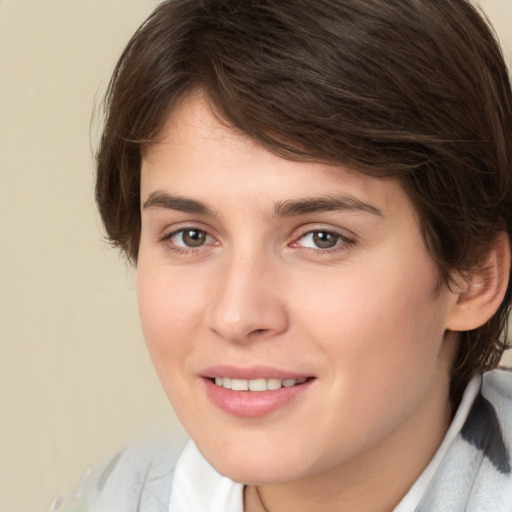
251, 372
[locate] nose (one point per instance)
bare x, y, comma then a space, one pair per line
247, 303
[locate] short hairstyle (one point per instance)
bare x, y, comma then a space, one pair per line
413, 90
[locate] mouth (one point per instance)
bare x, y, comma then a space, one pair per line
255, 392
257, 385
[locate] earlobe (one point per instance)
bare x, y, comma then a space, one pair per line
481, 293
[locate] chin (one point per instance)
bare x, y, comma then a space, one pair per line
249, 474
252, 466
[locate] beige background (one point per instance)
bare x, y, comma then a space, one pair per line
75, 380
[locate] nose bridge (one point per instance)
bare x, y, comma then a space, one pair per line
245, 303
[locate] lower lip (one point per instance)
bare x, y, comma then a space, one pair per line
253, 404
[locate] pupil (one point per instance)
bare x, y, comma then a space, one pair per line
324, 240
194, 238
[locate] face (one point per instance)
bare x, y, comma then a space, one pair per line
305, 288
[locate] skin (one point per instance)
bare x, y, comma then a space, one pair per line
366, 317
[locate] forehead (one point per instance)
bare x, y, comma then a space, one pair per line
197, 153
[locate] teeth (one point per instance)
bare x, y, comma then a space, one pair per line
274, 384
256, 384
225, 382
239, 385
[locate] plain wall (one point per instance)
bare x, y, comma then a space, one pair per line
75, 380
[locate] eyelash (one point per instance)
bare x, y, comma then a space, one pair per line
342, 242
167, 239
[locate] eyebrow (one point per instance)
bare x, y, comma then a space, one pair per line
290, 208
323, 204
159, 199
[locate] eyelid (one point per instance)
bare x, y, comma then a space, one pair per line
170, 232
312, 228
345, 239
184, 230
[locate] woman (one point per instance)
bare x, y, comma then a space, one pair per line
318, 199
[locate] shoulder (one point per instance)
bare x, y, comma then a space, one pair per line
488, 434
139, 477
489, 424
476, 473
497, 388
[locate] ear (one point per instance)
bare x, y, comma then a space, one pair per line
479, 296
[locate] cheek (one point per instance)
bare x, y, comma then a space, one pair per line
377, 328
168, 312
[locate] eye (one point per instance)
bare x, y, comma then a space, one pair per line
320, 239
189, 238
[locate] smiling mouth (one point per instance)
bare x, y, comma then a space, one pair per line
258, 385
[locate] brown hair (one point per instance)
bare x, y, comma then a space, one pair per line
416, 90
